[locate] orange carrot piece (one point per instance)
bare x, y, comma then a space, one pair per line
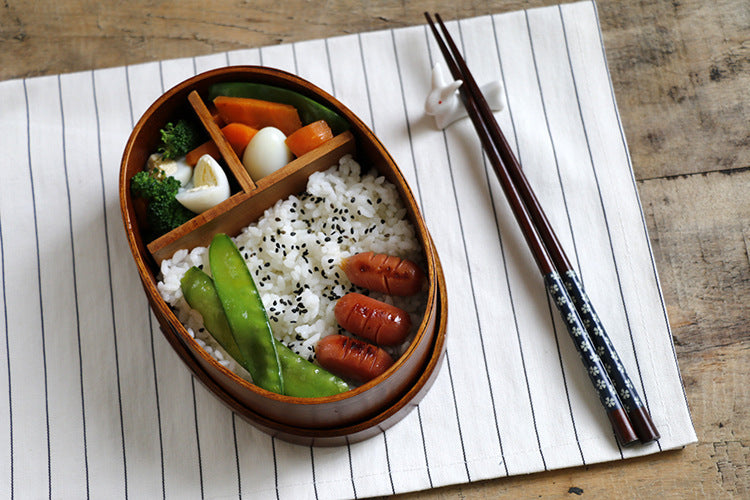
309, 137
239, 135
258, 114
207, 148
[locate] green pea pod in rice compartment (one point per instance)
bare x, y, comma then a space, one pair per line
245, 313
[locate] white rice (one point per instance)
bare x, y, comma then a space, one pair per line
294, 252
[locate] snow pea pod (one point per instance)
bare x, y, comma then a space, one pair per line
245, 313
304, 379
301, 378
200, 293
308, 109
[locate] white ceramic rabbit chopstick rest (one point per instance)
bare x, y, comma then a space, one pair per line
444, 103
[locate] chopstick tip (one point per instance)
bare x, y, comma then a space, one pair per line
623, 428
643, 425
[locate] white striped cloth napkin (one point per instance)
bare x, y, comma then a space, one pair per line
95, 404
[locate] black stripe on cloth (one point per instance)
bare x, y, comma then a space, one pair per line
75, 282
424, 447
330, 68
367, 82
237, 455
407, 122
158, 407
39, 285
351, 468
197, 437
275, 467
294, 58
11, 479
458, 419
312, 468
388, 461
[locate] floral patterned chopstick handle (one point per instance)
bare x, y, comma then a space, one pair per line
629, 396
591, 361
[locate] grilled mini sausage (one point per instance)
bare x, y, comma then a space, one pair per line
352, 359
371, 319
383, 273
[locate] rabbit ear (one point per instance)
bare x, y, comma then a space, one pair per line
448, 91
438, 77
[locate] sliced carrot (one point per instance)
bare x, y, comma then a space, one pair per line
239, 135
309, 137
258, 114
207, 148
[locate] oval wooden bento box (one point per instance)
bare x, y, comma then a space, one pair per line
346, 417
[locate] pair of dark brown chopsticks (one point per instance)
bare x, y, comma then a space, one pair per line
625, 408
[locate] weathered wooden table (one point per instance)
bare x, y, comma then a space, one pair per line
681, 72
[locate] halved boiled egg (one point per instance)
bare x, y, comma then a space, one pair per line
171, 168
266, 153
208, 188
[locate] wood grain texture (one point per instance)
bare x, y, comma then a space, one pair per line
681, 74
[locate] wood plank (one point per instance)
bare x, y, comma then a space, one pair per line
51, 37
699, 227
680, 71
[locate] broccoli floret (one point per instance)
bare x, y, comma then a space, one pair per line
177, 139
163, 212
